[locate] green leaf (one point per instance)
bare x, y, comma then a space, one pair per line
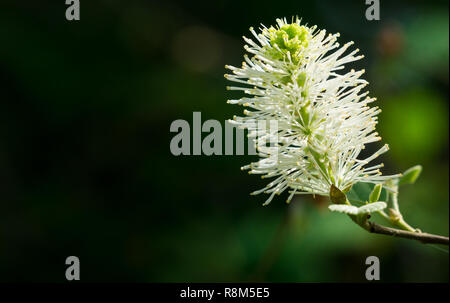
375, 194
410, 175
336, 196
361, 191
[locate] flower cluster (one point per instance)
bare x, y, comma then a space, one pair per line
324, 119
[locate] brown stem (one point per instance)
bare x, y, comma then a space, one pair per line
422, 237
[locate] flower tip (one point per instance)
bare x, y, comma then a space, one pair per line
265, 203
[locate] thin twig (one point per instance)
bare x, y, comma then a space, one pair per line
422, 237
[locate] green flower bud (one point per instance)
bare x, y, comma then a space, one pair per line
290, 38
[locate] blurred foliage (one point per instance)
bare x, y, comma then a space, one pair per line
419, 119
86, 168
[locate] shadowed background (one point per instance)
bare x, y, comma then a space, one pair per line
86, 169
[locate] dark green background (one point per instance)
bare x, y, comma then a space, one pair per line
85, 165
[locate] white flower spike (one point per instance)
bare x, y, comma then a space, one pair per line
323, 116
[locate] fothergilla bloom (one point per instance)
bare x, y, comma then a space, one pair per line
294, 76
